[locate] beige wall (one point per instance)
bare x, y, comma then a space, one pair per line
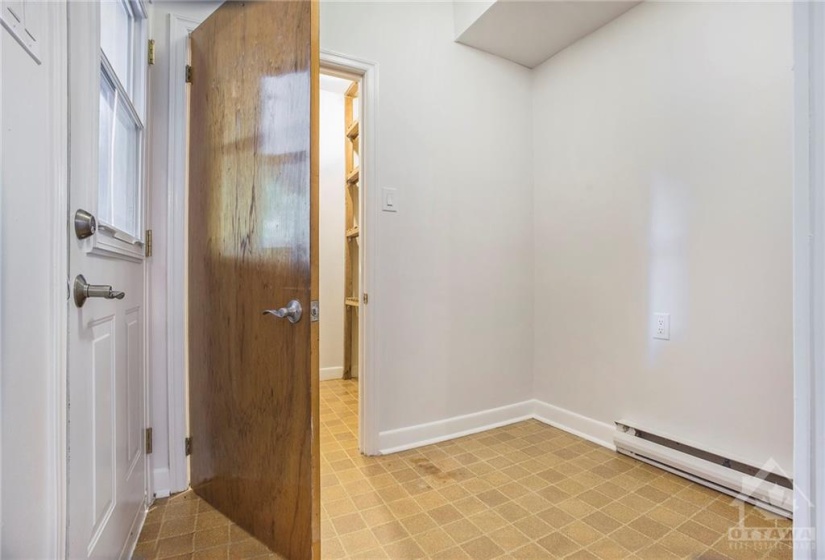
452, 298
663, 169
331, 231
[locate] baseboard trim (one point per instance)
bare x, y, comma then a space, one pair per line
574, 423
402, 439
393, 441
328, 373
161, 483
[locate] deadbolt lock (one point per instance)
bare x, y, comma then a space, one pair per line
85, 224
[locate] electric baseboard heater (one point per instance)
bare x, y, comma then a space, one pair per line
767, 487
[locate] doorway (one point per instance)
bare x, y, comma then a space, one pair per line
339, 261
348, 209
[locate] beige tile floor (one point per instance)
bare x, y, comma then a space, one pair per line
186, 527
522, 491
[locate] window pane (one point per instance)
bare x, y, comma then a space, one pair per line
116, 38
107, 115
125, 202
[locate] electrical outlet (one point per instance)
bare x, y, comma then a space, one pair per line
661, 326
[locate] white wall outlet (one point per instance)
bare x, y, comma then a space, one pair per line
661, 326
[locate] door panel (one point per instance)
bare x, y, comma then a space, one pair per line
252, 234
106, 362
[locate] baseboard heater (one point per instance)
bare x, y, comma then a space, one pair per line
765, 487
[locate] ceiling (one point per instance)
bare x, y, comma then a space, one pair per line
529, 33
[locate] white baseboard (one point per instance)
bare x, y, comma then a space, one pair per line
574, 423
328, 373
402, 439
393, 441
161, 483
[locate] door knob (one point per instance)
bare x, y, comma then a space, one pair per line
292, 311
83, 291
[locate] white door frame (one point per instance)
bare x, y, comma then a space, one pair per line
809, 272
370, 201
59, 144
176, 295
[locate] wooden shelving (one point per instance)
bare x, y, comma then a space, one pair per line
352, 131
352, 284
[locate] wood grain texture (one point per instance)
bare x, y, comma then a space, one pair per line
253, 217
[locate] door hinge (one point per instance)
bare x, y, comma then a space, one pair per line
188, 74
148, 244
366, 298
151, 54
187, 445
148, 441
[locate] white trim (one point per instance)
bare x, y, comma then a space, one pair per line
328, 373
60, 272
401, 439
162, 485
1, 291
392, 441
178, 474
574, 423
809, 270
368, 366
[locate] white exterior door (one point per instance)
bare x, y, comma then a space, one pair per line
106, 334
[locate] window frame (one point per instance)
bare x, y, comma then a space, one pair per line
111, 241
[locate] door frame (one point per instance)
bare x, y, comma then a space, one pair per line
369, 199
59, 145
809, 270
176, 238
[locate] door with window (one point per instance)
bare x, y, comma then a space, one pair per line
253, 270
108, 467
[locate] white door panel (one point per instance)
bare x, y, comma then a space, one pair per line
106, 352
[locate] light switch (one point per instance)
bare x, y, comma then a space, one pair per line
390, 200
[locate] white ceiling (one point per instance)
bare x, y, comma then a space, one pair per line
531, 32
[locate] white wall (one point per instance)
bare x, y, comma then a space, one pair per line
663, 146
33, 200
331, 231
452, 298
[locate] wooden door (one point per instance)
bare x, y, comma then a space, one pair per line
253, 243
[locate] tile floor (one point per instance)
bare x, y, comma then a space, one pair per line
522, 491
186, 527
